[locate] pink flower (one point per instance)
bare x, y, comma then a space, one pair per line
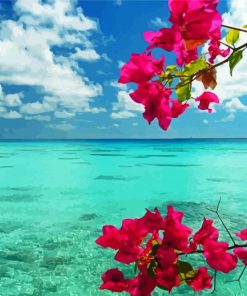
141, 285
133, 230
168, 278
114, 281
217, 257
205, 99
242, 234
197, 21
155, 97
178, 108
166, 257
176, 234
207, 230
152, 221
214, 50
128, 254
184, 56
201, 281
241, 253
164, 38
141, 68
111, 238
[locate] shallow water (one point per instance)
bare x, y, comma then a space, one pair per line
55, 197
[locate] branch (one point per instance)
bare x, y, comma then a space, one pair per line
234, 28
222, 222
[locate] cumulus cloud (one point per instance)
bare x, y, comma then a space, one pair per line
27, 57
125, 107
62, 126
158, 22
230, 86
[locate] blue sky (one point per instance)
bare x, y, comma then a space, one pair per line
59, 66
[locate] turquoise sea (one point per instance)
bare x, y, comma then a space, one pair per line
56, 195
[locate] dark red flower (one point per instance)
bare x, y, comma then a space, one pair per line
168, 278
217, 256
207, 230
176, 234
141, 285
114, 281
241, 253
111, 238
201, 281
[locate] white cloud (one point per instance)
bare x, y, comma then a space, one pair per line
231, 86
158, 22
228, 118
106, 57
62, 126
126, 103
89, 55
122, 114
27, 57
116, 124
117, 85
38, 117
205, 121
120, 64
135, 123
11, 115
119, 2
64, 114
235, 105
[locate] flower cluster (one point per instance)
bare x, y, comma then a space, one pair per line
193, 24
157, 246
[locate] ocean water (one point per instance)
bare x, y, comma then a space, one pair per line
56, 196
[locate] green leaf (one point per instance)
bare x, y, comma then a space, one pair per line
151, 268
245, 26
192, 68
184, 267
234, 59
232, 36
183, 90
172, 69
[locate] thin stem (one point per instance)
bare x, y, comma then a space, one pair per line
226, 45
234, 28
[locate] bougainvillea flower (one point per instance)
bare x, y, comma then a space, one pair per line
164, 38
217, 257
152, 221
197, 21
205, 99
141, 68
242, 234
178, 108
241, 253
207, 230
164, 115
214, 50
176, 234
155, 97
133, 230
201, 281
111, 238
166, 257
128, 254
184, 56
168, 278
114, 281
141, 285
